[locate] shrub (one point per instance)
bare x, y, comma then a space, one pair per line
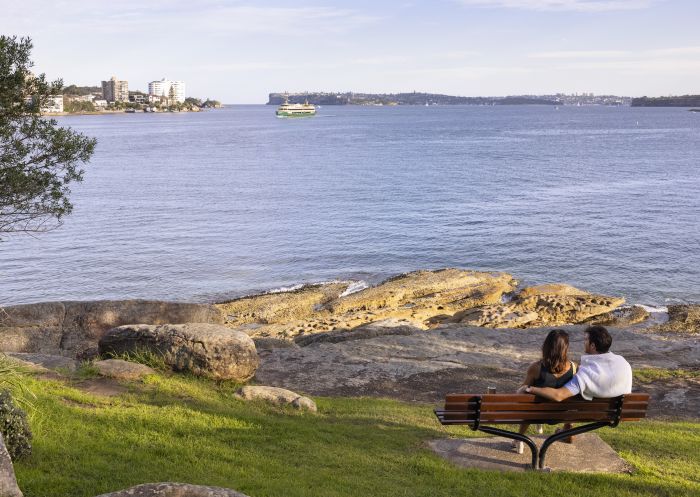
14, 427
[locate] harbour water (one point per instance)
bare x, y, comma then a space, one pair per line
206, 206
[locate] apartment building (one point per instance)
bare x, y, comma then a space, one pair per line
115, 90
174, 90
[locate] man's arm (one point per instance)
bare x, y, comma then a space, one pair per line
557, 394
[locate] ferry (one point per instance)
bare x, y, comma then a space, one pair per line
295, 110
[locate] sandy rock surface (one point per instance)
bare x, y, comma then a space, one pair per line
209, 350
122, 370
422, 298
426, 365
543, 305
684, 319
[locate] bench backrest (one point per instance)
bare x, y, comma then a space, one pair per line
527, 408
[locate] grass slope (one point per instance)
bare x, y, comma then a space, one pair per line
179, 428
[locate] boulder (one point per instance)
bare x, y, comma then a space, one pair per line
280, 307
532, 308
276, 396
122, 370
74, 328
8, 482
173, 490
207, 350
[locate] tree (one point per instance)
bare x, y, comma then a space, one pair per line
38, 159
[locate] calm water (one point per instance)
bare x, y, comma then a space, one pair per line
223, 203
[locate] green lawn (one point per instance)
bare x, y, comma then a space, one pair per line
179, 428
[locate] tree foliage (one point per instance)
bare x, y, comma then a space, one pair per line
38, 159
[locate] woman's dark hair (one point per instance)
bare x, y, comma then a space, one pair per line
599, 336
555, 351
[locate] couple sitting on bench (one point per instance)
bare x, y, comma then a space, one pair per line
597, 393
602, 374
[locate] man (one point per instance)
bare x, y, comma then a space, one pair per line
601, 374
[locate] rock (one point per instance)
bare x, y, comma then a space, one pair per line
425, 298
203, 349
173, 490
453, 358
45, 362
281, 307
444, 287
86, 322
8, 482
532, 308
550, 289
681, 319
122, 370
265, 344
624, 316
364, 332
277, 396
74, 328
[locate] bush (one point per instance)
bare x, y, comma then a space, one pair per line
14, 427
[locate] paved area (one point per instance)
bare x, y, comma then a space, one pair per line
588, 454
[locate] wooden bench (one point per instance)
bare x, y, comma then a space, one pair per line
478, 411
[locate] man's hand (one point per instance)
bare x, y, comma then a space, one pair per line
557, 394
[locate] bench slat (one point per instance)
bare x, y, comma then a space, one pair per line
549, 406
526, 397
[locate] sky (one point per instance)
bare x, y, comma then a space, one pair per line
239, 51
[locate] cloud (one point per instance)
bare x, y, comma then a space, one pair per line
579, 54
214, 17
563, 5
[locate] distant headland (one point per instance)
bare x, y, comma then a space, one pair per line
679, 101
419, 98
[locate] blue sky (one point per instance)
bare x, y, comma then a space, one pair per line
239, 51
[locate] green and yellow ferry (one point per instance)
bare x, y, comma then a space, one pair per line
295, 110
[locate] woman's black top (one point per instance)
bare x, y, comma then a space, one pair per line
547, 379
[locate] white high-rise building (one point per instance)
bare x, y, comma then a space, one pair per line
168, 89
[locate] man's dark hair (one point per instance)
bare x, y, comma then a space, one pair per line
599, 336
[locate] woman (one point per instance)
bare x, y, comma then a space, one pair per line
553, 370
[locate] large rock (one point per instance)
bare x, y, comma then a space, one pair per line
276, 396
280, 307
203, 349
682, 318
122, 370
8, 482
532, 308
74, 328
173, 490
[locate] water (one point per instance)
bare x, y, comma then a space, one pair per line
201, 207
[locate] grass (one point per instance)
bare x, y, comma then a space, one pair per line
648, 375
180, 428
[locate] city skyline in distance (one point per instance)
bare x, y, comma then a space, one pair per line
238, 51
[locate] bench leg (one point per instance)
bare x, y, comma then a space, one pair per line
514, 436
567, 433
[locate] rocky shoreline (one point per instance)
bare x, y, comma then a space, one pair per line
413, 337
